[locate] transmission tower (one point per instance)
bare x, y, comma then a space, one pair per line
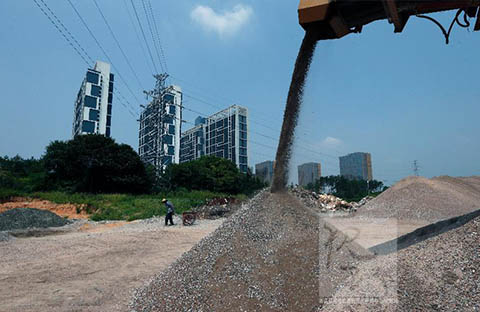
154, 122
416, 168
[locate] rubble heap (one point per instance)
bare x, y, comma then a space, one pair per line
327, 203
217, 208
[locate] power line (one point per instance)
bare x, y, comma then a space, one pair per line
153, 36
157, 34
136, 35
144, 37
118, 43
66, 30
59, 30
71, 44
102, 49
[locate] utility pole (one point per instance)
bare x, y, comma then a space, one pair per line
416, 168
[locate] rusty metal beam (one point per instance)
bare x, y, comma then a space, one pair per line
394, 16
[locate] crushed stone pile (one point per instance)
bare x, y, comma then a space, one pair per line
25, 218
418, 198
438, 274
4, 237
325, 202
273, 254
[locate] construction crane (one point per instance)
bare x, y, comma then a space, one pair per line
332, 19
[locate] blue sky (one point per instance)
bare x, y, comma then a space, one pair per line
401, 97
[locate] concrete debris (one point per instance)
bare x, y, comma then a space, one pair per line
327, 203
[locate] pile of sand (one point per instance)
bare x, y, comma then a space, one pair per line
273, 254
418, 198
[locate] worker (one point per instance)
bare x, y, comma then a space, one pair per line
170, 211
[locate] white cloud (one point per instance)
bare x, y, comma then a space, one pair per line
225, 23
331, 142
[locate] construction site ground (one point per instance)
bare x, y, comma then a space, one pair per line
91, 266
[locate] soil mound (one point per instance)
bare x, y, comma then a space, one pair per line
438, 274
431, 200
273, 254
71, 211
24, 218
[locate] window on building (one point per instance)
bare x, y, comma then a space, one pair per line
171, 129
171, 109
243, 119
88, 126
95, 91
243, 159
168, 119
243, 127
110, 86
92, 78
109, 121
243, 143
107, 132
112, 76
243, 135
171, 150
109, 109
93, 115
243, 152
168, 139
168, 98
90, 101
110, 98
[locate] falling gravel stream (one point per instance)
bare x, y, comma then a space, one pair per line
292, 110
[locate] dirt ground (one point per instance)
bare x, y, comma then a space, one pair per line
91, 268
69, 211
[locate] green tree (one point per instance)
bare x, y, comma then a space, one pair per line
210, 173
94, 164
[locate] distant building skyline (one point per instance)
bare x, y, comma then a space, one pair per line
309, 173
356, 166
223, 134
264, 171
93, 106
160, 126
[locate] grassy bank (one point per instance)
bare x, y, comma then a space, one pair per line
124, 206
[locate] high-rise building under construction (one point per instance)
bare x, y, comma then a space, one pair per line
356, 166
160, 125
224, 134
93, 106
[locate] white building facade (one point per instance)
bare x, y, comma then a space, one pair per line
224, 134
93, 107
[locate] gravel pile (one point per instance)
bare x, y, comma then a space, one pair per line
438, 274
272, 255
24, 218
4, 237
426, 199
